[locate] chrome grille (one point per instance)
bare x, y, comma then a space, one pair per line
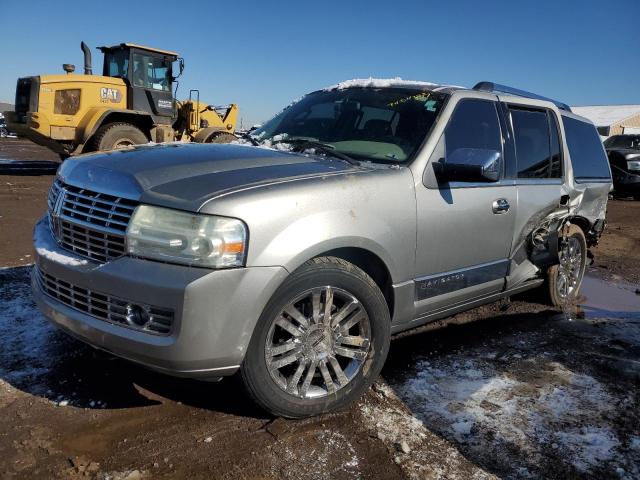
89, 223
102, 306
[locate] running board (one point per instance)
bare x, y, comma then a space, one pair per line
461, 307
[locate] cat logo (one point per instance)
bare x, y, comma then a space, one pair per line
110, 95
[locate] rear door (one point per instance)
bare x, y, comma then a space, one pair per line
538, 170
464, 229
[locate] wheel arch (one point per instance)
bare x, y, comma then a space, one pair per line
205, 134
582, 222
368, 261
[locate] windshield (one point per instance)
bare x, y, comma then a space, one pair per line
384, 125
623, 141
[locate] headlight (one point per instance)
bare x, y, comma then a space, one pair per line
633, 165
189, 238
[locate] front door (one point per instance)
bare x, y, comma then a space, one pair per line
465, 230
151, 86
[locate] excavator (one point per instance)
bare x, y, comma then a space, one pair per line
133, 102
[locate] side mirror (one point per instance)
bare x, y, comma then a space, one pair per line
180, 61
469, 165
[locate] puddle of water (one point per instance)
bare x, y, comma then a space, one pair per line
605, 299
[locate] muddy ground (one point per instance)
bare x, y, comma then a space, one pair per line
524, 392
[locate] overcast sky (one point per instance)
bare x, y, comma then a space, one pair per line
262, 55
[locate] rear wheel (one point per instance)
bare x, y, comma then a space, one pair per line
118, 135
564, 279
320, 342
221, 137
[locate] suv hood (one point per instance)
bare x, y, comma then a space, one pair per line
185, 176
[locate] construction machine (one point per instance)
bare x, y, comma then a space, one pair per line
132, 102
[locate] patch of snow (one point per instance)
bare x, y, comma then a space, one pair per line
589, 446
28, 342
380, 83
60, 258
43, 249
425, 454
490, 411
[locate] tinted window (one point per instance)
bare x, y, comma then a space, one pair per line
588, 158
556, 150
474, 124
533, 146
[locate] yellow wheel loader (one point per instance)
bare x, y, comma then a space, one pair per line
131, 103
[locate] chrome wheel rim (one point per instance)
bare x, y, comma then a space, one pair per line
570, 268
318, 343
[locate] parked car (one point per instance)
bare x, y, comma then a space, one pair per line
4, 131
363, 210
624, 156
3, 127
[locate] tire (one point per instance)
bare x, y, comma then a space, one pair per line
288, 390
221, 137
564, 280
118, 135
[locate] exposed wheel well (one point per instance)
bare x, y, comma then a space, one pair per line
143, 122
585, 226
372, 265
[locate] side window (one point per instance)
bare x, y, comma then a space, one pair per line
556, 149
588, 157
474, 124
118, 64
533, 142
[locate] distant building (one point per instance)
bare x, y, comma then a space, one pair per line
612, 119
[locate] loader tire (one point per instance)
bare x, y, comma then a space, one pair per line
118, 135
221, 137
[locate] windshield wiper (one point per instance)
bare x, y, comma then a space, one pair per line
247, 136
326, 148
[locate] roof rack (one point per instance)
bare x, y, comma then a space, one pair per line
497, 88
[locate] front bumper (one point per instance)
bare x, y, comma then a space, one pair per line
215, 312
29, 130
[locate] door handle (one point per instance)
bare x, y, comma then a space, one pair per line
500, 206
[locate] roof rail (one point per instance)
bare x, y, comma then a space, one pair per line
497, 88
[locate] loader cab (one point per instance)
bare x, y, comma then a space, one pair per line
148, 75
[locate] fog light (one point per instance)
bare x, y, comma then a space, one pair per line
137, 315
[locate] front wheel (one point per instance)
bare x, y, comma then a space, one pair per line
118, 135
320, 342
564, 279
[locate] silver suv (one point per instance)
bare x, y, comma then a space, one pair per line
360, 211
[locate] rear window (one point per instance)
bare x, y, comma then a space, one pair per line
588, 157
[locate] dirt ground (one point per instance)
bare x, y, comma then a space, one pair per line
524, 392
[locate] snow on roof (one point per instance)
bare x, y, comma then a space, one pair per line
381, 83
606, 115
